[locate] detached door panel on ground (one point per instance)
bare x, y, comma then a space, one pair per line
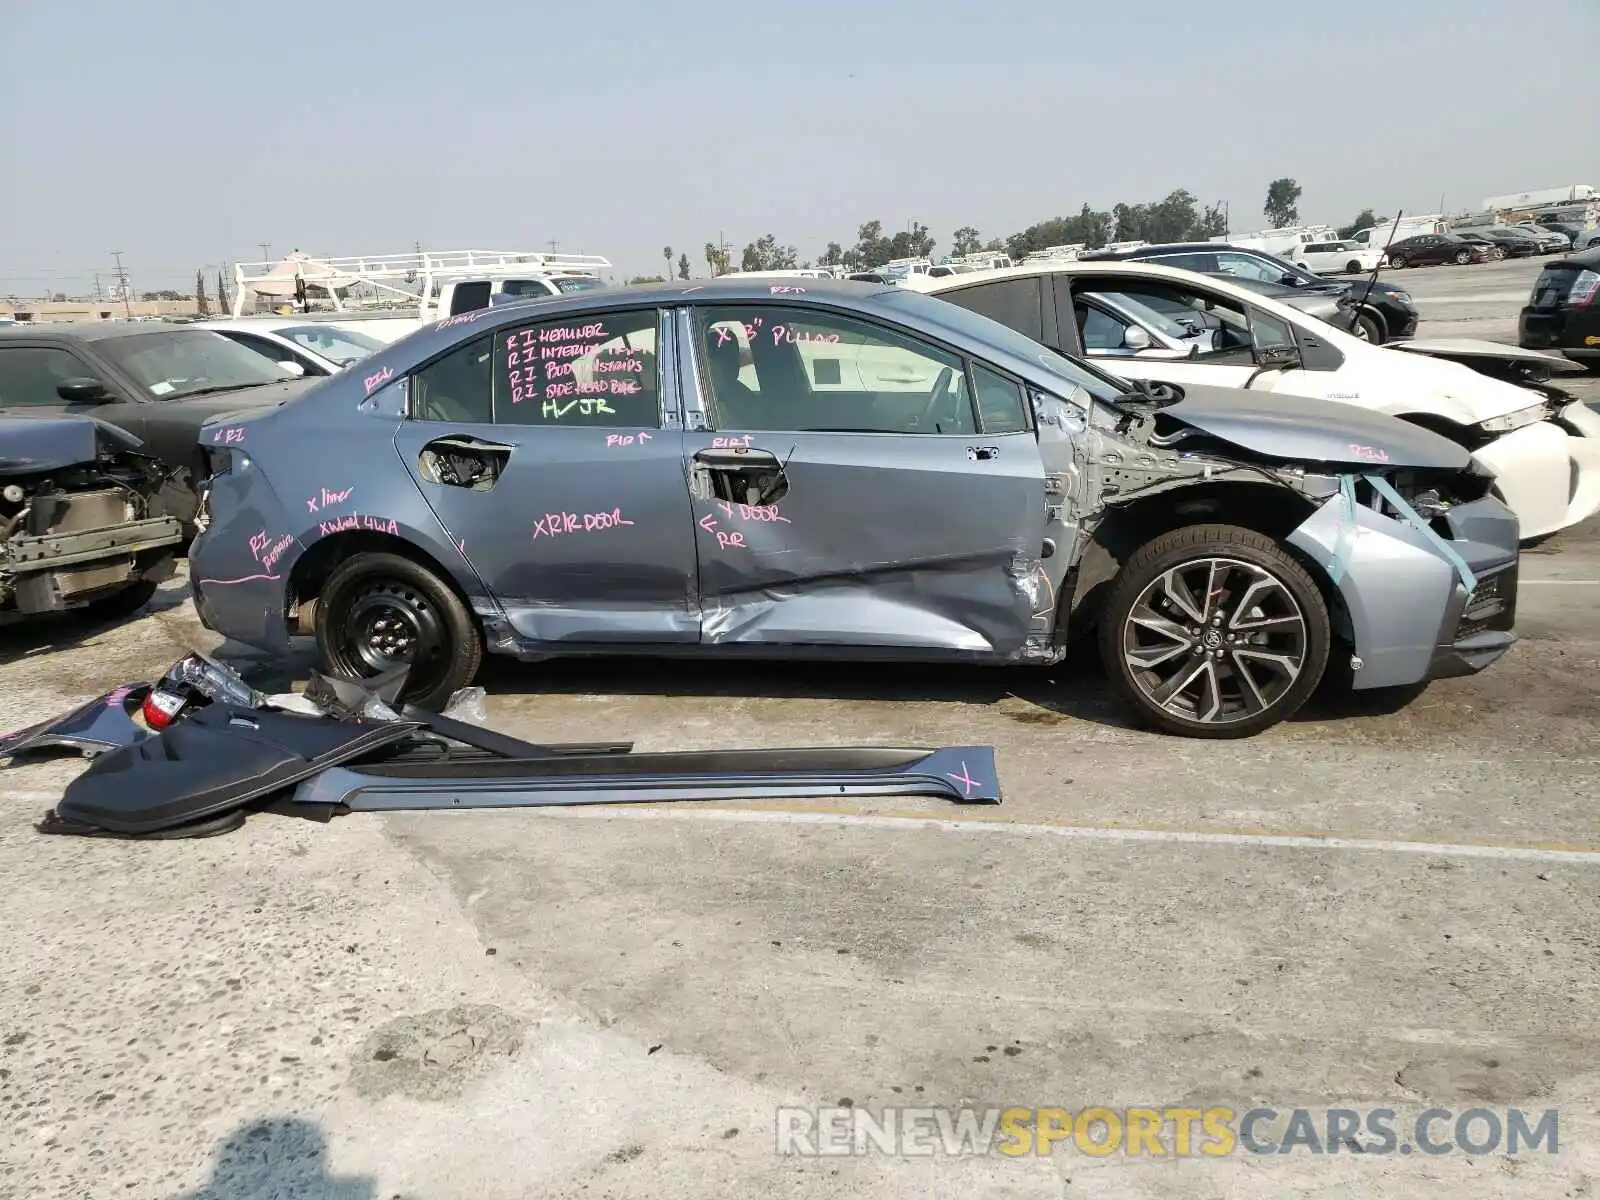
543, 452
848, 496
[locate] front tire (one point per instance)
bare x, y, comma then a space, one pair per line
378, 611
1352, 267
1213, 631
1463, 257
1368, 329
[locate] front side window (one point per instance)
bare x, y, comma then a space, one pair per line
1268, 332
1099, 330
768, 367
188, 362
29, 375
342, 346
456, 387
1248, 267
597, 370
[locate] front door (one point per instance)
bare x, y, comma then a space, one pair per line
858, 487
547, 455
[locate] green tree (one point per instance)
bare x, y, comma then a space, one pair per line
833, 256
764, 254
1364, 220
647, 279
683, 266
222, 293
716, 259
965, 240
1282, 206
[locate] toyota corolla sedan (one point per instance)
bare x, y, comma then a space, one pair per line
761, 469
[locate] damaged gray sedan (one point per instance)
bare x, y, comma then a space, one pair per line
759, 469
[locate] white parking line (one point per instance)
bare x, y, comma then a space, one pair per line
1091, 833
1562, 582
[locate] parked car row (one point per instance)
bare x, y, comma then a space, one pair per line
1201, 471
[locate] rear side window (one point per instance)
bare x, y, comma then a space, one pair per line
598, 370
469, 297
29, 375
1016, 303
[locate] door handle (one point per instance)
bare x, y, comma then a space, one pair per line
982, 453
735, 458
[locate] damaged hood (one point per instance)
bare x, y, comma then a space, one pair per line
1299, 429
32, 445
1474, 352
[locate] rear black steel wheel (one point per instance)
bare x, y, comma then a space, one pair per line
1213, 631
380, 611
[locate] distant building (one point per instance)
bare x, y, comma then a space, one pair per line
52, 312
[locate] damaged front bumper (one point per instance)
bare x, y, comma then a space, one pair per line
52, 572
1549, 472
1405, 605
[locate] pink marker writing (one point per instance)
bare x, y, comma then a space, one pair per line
557, 523
377, 379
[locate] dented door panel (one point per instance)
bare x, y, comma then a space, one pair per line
916, 542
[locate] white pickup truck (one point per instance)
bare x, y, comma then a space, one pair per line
389, 296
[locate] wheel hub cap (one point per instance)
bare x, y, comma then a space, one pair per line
1215, 640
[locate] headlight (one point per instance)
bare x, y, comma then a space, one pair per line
1523, 416
1403, 298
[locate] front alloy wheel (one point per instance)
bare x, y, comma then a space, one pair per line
1214, 632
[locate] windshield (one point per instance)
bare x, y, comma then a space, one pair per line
1099, 384
335, 345
179, 362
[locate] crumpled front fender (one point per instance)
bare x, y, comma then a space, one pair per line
1404, 599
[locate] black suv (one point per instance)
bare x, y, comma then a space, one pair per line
1384, 313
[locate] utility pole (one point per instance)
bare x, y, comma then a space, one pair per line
553, 244
98, 298
122, 283
266, 251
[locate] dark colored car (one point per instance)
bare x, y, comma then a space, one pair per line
1563, 313
1581, 238
1427, 249
81, 526
1378, 311
1510, 242
159, 382
742, 469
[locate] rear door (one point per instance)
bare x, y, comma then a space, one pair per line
856, 485
552, 455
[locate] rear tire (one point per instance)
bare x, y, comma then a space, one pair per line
1397, 261
1229, 663
377, 611
1352, 267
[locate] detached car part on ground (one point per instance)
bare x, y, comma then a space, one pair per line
188, 755
1146, 321
833, 470
81, 527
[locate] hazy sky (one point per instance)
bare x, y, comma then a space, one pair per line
184, 134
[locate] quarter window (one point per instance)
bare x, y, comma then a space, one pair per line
767, 367
29, 375
596, 370
1002, 404
456, 387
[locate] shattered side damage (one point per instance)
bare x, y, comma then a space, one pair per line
1420, 565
